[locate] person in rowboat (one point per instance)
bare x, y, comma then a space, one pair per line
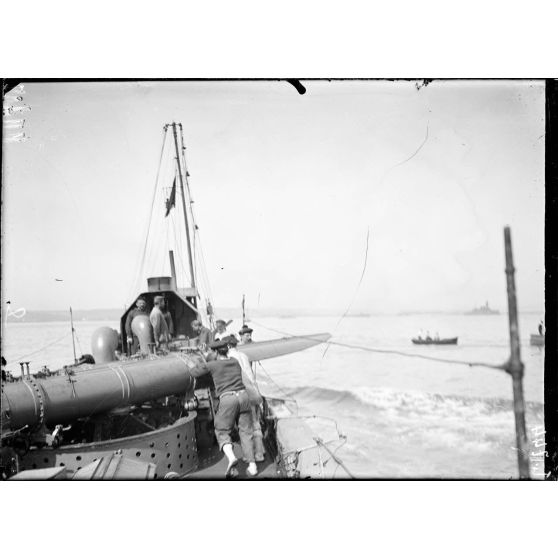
234, 406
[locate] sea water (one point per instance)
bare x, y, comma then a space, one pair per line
399, 416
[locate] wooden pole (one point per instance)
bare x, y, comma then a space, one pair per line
514, 366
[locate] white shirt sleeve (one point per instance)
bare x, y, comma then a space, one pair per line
244, 363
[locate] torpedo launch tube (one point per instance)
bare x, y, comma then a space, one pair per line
60, 399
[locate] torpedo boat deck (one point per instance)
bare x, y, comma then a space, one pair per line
138, 405
217, 467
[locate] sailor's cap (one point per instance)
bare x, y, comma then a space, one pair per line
231, 340
245, 329
219, 344
221, 322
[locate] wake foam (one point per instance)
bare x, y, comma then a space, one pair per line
386, 399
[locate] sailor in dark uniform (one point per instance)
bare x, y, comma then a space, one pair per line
234, 407
161, 332
168, 318
139, 310
204, 335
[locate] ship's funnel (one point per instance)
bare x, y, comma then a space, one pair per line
104, 343
142, 329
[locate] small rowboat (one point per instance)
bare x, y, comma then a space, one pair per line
429, 341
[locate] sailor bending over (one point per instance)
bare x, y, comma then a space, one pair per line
251, 386
234, 406
203, 335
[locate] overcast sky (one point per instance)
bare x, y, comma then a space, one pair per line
286, 187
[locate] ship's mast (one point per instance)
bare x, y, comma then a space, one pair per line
190, 260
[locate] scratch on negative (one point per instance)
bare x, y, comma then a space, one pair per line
418, 149
356, 291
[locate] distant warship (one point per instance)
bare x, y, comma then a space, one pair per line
482, 311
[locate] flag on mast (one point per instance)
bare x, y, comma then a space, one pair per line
170, 202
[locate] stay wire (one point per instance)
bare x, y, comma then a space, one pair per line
42, 348
394, 352
192, 219
77, 339
203, 268
343, 442
282, 391
180, 254
167, 247
142, 264
181, 243
335, 458
319, 443
159, 168
197, 249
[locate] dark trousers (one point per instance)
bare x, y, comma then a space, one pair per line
235, 408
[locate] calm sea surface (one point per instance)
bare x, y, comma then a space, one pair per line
402, 417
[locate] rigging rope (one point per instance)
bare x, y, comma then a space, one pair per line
42, 348
141, 268
190, 203
395, 352
167, 245
181, 242
334, 457
203, 267
283, 392
319, 442
77, 339
343, 442
424, 357
181, 271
